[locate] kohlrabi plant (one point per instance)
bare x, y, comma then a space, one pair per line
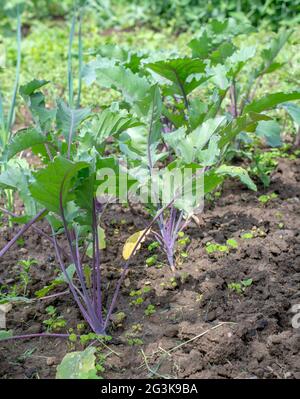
185, 123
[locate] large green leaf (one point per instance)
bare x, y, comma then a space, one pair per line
84, 195
29, 88
109, 123
201, 135
113, 180
48, 182
247, 123
133, 87
237, 171
181, 143
140, 142
269, 54
23, 140
178, 71
271, 101
35, 100
211, 181
16, 176
78, 365
270, 131
188, 147
293, 110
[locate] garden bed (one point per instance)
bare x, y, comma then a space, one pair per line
256, 339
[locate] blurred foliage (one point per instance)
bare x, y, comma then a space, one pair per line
45, 41
180, 15
190, 14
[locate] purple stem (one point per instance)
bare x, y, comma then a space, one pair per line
95, 323
234, 111
71, 285
35, 228
97, 264
42, 213
168, 233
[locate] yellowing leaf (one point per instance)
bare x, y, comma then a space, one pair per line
131, 242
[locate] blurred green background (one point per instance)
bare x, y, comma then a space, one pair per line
156, 25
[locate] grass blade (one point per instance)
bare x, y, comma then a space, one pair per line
13, 101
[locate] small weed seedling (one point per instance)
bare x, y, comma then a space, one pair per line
138, 295
55, 322
154, 245
25, 273
151, 260
240, 287
150, 310
212, 248
264, 199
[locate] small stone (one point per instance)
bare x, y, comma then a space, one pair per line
10, 281
23, 251
34, 329
127, 282
5, 308
211, 316
51, 361
171, 331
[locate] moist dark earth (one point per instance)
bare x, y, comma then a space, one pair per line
233, 335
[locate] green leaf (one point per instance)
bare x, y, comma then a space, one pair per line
218, 75
247, 283
244, 123
271, 101
29, 88
140, 142
232, 243
78, 365
113, 179
47, 185
110, 123
237, 171
271, 53
5, 334
42, 116
178, 71
188, 146
211, 181
17, 176
270, 131
14, 299
133, 87
23, 140
204, 132
69, 119
209, 156
293, 110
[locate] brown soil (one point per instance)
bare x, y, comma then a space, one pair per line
256, 339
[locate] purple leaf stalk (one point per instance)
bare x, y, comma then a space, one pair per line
169, 227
